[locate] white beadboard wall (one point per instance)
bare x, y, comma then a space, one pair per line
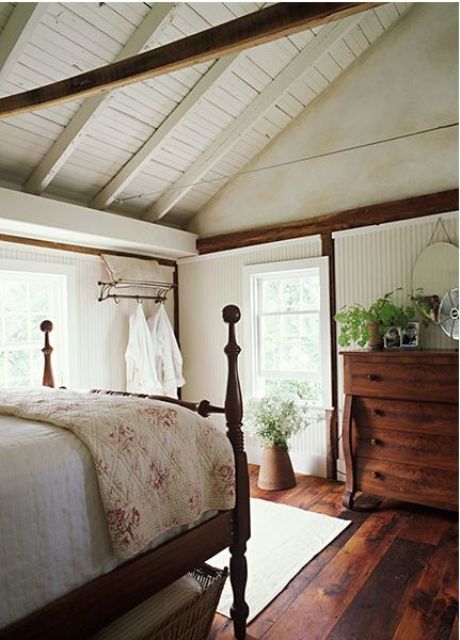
206, 285
372, 261
369, 262
98, 341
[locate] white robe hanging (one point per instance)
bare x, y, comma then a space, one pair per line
140, 357
168, 358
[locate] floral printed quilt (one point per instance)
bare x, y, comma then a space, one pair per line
158, 465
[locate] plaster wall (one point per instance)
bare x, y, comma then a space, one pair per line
382, 121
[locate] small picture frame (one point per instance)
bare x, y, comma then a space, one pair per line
410, 336
392, 338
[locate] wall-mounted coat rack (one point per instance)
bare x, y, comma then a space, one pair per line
156, 291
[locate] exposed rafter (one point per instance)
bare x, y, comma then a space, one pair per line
253, 29
107, 195
71, 136
248, 118
16, 34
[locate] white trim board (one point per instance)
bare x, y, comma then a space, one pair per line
26, 215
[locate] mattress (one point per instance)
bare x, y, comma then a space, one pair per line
53, 531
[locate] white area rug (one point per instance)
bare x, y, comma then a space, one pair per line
284, 539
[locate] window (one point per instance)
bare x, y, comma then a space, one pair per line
290, 330
25, 300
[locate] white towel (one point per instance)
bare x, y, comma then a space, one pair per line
167, 355
140, 357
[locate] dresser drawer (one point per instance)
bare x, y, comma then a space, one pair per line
421, 449
422, 417
406, 381
422, 485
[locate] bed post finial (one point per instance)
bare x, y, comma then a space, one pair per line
48, 381
233, 415
233, 401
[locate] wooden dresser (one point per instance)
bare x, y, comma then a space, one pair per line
400, 426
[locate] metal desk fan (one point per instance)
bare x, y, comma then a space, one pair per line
448, 314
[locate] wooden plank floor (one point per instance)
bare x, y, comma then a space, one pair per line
391, 575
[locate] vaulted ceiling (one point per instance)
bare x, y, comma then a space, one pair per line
158, 150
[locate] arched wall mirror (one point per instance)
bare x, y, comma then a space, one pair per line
435, 286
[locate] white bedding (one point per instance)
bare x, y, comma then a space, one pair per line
53, 530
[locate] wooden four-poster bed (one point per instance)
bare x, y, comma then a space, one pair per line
86, 609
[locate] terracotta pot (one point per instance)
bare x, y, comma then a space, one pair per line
375, 341
276, 470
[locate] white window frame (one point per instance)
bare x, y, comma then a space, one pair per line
251, 274
70, 357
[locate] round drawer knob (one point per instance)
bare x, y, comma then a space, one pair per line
375, 442
376, 475
373, 377
377, 412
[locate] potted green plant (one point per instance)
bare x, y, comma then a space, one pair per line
368, 326
273, 420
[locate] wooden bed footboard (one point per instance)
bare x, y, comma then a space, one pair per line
203, 408
82, 612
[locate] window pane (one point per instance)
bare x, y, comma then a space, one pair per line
291, 294
37, 364
289, 343
270, 294
18, 365
311, 291
294, 389
26, 299
40, 298
14, 295
2, 368
16, 328
287, 328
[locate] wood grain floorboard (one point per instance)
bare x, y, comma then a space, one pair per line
433, 604
383, 591
391, 575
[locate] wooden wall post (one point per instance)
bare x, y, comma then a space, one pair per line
328, 249
48, 380
234, 414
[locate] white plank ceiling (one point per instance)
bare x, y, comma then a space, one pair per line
160, 149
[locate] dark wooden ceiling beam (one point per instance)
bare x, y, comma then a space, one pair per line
251, 30
393, 211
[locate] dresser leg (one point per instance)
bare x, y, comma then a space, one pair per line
348, 499
349, 494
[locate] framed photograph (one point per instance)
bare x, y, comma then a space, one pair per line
392, 338
410, 336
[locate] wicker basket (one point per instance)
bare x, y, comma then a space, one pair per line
193, 622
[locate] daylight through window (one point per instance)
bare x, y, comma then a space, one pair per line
288, 326
25, 300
